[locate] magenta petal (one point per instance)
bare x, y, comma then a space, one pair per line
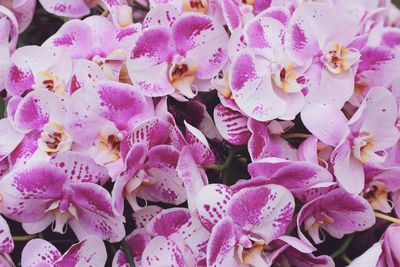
90, 251
220, 249
231, 14
79, 167
38, 108
148, 64
168, 222
133, 161
231, 124
161, 251
202, 39
252, 89
269, 216
369, 258
73, 9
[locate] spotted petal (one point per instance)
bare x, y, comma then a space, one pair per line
39, 251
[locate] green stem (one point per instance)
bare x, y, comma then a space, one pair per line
295, 135
343, 247
226, 164
128, 253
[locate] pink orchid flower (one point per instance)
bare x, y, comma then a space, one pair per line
193, 47
33, 67
337, 212
241, 227
360, 140
98, 39
62, 191
322, 33
266, 84
88, 252
112, 110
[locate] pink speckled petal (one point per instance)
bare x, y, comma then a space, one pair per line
79, 167
212, 201
190, 175
265, 210
220, 249
168, 222
144, 215
9, 138
148, 64
202, 39
6, 241
252, 89
137, 242
91, 223
162, 15
25, 149
66, 8
38, 108
281, 14
92, 197
39, 251
89, 252
161, 251
151, 132
202, 153
266, 36
76, 36
231, 13
232, 125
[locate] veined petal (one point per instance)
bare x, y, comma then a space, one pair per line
6, 241
231, 124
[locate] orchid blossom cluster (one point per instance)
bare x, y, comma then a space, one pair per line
122, 129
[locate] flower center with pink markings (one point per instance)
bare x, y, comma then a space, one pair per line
339, 58
376, 195
199, 6
287, 79
48, 81
250, 251
181, 74
363, 148
54, 139
63, 210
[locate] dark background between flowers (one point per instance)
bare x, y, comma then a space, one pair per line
44, 25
